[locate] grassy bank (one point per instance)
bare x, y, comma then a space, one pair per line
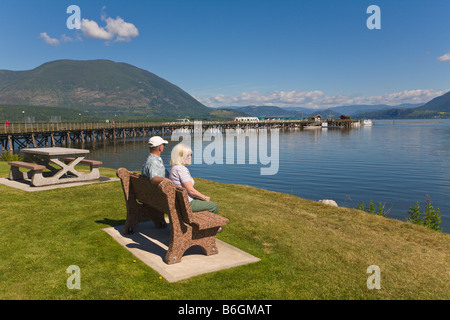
308, 250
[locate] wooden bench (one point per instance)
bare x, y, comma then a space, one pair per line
150, 200
34, 173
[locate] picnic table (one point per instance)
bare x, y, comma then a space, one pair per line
39, 159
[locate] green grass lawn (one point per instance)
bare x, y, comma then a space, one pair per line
308, 250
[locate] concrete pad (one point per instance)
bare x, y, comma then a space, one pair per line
150, 244
25, 185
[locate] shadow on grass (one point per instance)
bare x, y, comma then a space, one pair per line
111, 222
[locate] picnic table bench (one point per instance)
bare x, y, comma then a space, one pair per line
147, 200
35, 173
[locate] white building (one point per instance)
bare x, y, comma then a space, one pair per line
246, 119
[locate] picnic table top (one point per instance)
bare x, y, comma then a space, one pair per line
55, 151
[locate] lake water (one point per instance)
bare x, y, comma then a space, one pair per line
394, 162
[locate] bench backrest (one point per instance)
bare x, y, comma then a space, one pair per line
161, 196
153, 195
182, 204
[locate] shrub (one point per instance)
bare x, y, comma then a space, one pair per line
415, 214
430, 219
371, 208
9, 156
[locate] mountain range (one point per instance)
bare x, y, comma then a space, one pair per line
436, 108
359, 108
99, 89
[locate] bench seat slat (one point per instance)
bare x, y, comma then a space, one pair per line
207, 220
26, 165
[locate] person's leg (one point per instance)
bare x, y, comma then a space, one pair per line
200, 205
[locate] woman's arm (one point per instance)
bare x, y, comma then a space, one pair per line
193, 192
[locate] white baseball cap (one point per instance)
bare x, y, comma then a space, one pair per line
156, 141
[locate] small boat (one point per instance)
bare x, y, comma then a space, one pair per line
313, 126
368, 122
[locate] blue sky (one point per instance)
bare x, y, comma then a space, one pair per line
316, 53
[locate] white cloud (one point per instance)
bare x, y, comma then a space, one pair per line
116, 29
66, 38
123, 31
317, 99
62, 38
445, 57
279, 98
91, 29
49, 40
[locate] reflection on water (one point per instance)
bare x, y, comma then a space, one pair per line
396, 163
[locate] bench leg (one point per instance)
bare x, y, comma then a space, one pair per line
206, 239
139, 212
134, 216
176, 250
16, 174
38, 179
95, 172
179, 243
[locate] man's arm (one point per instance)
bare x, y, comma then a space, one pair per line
157, 179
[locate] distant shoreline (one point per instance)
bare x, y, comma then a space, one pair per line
412, 122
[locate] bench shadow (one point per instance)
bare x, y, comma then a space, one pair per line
148, 238
150, 244
111, 222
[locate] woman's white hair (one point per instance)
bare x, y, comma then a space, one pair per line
180, 155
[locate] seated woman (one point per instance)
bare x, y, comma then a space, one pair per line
180, 176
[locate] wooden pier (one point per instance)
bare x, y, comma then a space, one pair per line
15, 136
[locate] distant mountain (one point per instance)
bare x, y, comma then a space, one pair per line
226, 113
230, 107
268, 111
330, 113
440, 104
292, 112
327, 113
100, 87
356, 109
438, 107
299, 109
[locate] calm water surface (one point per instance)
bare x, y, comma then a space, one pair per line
394, 162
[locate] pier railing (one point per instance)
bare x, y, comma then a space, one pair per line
17, 135
20, 127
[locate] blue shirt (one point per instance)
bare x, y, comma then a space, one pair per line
154, 167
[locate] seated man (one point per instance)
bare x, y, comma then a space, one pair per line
154, 166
